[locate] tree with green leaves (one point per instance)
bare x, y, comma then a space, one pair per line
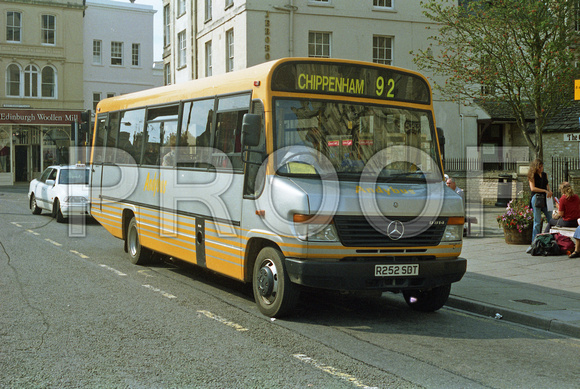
515, 52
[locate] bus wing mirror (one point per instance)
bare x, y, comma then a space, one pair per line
251, 126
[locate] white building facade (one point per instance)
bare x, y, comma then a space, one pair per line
118, 50
209, 37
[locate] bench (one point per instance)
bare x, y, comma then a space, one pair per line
469, 220
566, 231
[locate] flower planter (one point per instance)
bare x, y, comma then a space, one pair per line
513, 236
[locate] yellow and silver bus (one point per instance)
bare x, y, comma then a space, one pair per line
298, 172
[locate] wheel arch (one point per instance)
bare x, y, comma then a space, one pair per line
253, 248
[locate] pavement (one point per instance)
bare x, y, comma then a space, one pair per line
504, 282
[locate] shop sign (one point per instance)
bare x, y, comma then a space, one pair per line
31, 116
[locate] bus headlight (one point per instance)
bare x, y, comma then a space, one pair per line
454, 230
315, 229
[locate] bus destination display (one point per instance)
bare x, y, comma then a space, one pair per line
350, 80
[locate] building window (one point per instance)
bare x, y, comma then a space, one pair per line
97, 52
180, 7
383, 50
319, 44
48, 29
117, 53
31, 81
319, 1
13, 26
207, 10
229, 3
182, 54
230, 50
166, 26
167, 73
96, 99
48, 82
383, 3
135, 54
208, 65
110, 94
13, 81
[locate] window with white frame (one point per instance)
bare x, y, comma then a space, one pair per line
182, 54
31, 81
13, 26
117, 53
96, 99
136, 54
166, 26
382, 49
319, 1
13, 80
208, 10
48, 86
180, 7
229, 3
167, 73
48, 29
383, 3
208, 64
97, 52
110, 94
230, 50
319, 44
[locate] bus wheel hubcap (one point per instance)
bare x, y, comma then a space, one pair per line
267, 279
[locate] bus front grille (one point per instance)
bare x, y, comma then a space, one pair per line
357, 231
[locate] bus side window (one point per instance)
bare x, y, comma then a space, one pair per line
112, 133
195, 135
228, 137
161, 123
131, 136
99, 146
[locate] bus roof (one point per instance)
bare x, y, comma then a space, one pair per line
241, 80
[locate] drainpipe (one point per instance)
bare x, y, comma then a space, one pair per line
291, 9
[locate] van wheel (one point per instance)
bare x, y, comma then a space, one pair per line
56, 212
427, 300
274, 293
138, 254
33, 206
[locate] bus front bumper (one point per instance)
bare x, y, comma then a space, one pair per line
357, 275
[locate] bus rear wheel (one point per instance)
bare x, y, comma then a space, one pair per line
427, 300
274, 293
138, 254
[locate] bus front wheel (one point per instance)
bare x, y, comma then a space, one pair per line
427, 300
273, 291
138, 254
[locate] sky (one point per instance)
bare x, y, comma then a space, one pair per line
158, 26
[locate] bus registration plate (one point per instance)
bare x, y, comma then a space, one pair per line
396, 270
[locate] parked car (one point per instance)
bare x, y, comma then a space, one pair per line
62, 190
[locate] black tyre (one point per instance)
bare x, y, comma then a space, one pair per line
273, 291
56, 212
138, 254
33, 206
427, 300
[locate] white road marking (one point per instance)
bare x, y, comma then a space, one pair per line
220, 319
53, 242
16, 224
33, 232
161, 292
333, 371
119, 273
79, 254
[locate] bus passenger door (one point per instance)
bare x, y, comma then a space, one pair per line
98, 155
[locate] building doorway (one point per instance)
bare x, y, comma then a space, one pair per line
21, 164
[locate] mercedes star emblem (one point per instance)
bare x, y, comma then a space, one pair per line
395, 230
